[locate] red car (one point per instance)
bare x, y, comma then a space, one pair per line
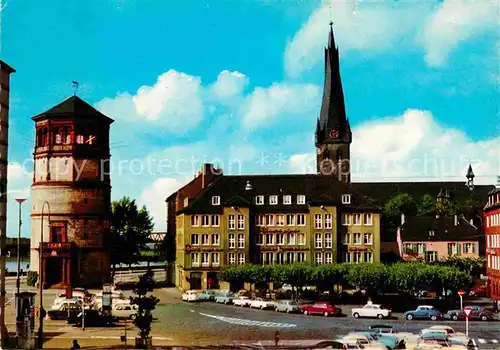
320, 308
481, 291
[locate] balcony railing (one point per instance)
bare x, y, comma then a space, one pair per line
56, 245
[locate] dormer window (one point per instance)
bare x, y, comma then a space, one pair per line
301, 199
215, 200
287, 199
346, 199
431, 234
273, 200
259, 200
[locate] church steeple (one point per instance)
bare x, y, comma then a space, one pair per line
333, 132
333, 120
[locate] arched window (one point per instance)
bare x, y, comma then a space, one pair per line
339, 155
45, 137
57, 136
39, 138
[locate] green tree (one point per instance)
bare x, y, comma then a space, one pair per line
472, 266
130, 230
426, 205
146, 303
370, 277
402, 203
297, 275
329, 275
404, 277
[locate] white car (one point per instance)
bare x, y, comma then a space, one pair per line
259, 303
190, 295
371, 310
354, 341
241, 301
124, 311
449, 331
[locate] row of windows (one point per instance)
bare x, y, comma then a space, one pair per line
207, 259
493, 241
358, 239
281, 239
495, 198
206, 239
281, 220
357, 257
320, 220
456, 248
205, 220
287, 199
493, 220
357, 219
268, 258
494, 262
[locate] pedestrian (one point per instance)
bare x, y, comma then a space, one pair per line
75, 345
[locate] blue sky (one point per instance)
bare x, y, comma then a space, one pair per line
240, 83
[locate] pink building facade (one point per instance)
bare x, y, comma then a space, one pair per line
437, 238
491, 216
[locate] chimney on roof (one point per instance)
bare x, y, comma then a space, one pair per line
208, 172
402, 218
455, 217
248, 186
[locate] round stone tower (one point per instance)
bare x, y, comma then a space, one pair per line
71, 195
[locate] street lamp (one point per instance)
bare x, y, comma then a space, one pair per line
40, 278
18, 280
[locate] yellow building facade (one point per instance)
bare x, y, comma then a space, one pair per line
262, 228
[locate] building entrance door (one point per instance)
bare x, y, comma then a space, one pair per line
195, 280
53, 271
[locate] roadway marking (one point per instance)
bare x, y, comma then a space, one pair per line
482, 341
244, 322
494, 341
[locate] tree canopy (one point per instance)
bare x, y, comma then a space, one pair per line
130, 230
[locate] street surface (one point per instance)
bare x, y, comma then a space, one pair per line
207, 323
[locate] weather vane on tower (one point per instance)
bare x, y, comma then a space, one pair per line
76, 85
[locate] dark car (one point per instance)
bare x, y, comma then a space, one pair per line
62, 312
478, 313
423, 312
321, 308
93, 318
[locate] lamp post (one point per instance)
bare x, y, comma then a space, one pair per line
40, 278
18, 280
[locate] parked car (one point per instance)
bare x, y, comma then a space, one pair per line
190, 295
287, 306
478, 313
124, 311
241, 301
224, 298
443, 329
481, 291
423, 312
69, 309
371, 310
321, 308
357, 341
211, 294
383, 329
93, 318
259, 303
204, 295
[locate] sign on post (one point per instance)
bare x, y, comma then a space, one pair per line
467, 311
461, 294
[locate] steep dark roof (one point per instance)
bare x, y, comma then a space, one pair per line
5, 67
74, 107
470, 173
381, 192
333, 114
316, 188
417, 229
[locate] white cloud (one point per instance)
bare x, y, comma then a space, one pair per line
291, 100
153, 197
229, 84
15, 171
414, 146
368, 26
455, 21
174, 102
